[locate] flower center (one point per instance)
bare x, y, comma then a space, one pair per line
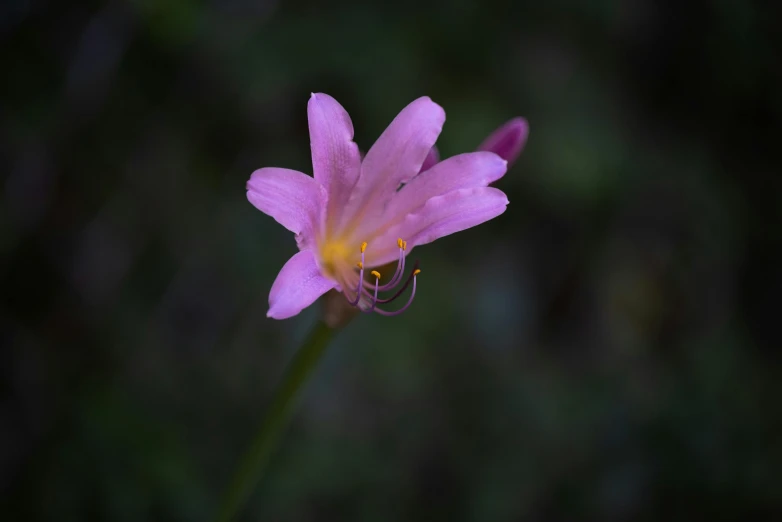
334, 256
338, 261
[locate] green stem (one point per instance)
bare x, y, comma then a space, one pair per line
283, 403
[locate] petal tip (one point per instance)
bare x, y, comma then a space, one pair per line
517, 127
319, 97
428, 101
521, 127
276, 316
249, 185
274, 313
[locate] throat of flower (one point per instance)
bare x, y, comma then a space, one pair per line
334, 258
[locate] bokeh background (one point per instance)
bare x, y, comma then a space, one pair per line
608, 349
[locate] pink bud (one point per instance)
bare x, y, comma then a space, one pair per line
507, 141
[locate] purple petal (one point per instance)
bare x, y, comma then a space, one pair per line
395, 158
507, 141
297, 286
431, 159
471, 170
293, 199
440, 216
336, 160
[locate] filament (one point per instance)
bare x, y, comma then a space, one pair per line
368, 300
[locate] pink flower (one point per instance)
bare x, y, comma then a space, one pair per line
353, 216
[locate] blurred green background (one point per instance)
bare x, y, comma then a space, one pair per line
607, 349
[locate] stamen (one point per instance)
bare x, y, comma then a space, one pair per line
374, 300
409, 301
372, 297
360, 265
399, 292
400, 268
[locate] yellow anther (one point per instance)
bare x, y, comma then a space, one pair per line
399, 242
416, 271
363, 246
360, 265
404, 245
375, 273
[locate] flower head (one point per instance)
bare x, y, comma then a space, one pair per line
356, 215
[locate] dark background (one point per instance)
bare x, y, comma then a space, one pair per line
607, 349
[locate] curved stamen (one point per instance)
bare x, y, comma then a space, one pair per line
372, 297
354, 302
399, 292
400, 267
409, 301
374, 301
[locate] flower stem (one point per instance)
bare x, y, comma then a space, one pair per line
254, 461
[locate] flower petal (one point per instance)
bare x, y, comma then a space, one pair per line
293, 199
440, 216
431, 159
508, 140
395, 158
297, 286
471, 170
336, 160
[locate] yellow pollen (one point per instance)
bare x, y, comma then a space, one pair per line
335, 254
375, 273
404, 245
360, 265
399, 242
363, 246
416, 272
